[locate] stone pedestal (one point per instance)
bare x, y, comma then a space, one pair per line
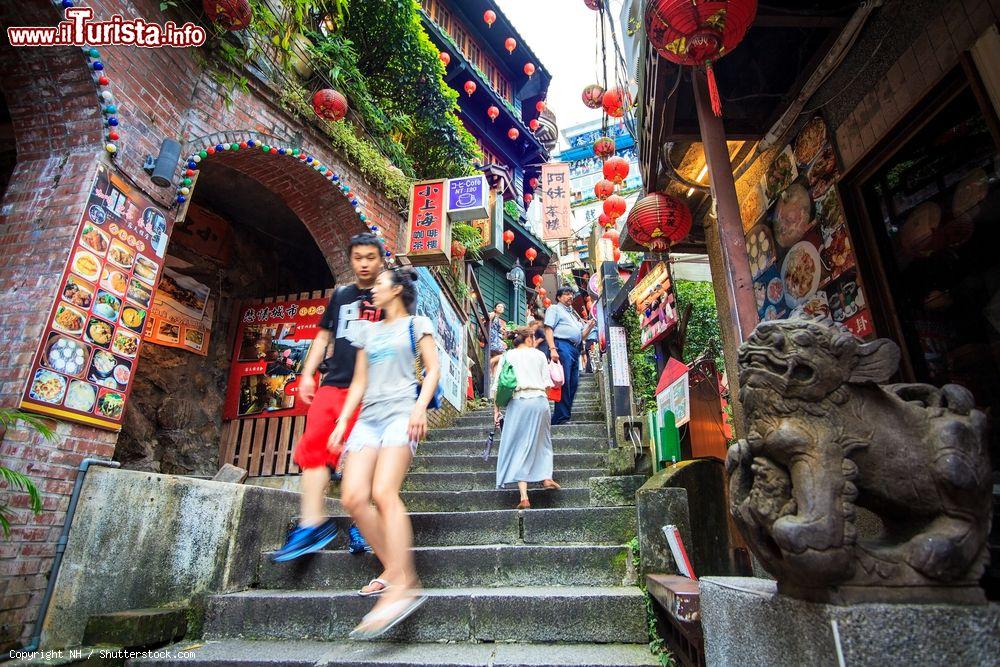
746, 622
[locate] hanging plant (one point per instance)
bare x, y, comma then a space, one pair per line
470, 239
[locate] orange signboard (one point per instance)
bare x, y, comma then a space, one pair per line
428, 234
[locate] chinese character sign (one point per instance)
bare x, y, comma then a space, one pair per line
428, 240
555, 191
467, 198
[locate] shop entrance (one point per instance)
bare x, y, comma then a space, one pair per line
240, 244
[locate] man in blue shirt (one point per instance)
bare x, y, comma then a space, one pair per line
565, 332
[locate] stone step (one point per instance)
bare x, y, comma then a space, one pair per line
461, 566
571, 430
494, 499
486, 419
243, 653
485, 480
474, 445
572, 614
472, 459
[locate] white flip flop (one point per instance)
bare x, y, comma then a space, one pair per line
397, 612
372, 594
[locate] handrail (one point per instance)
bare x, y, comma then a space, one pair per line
483, 322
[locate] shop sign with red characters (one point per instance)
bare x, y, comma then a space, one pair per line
428, 230
271, 345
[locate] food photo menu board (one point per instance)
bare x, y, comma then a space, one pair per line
801, 255
84, 366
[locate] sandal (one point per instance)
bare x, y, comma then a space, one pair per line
394, 614
551, 484
523, 505
378, 591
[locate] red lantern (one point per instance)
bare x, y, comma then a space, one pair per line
230, 14
508, 237
531, 254
593, 4
612, 235
536, 280
542, 291
533, 182
329, 104
513, 133
457, 250
529, 69
616, 169
604, 147
618, 254
527, 198
540, 106
616, 102
614, 206
604, 220
593, 96
534, 124
546, 302
657, 221
445, 57
470, 87
490, 17
604, 189
700, 33
493, 113
510, 43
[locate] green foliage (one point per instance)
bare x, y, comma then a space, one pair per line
641, 364
15, 481
703, 331
469, 237
511, 209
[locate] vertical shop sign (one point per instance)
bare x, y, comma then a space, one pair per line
555, 189
618, 343
428, 232
85, 362
467, 198
655, 302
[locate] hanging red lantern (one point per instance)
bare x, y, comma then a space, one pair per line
470, 87
493, 113
612, 235
533, 182
605, 221
513, 133
604, 147
546, 302
531, 254
230, 14
529, 69
329, 104
445, 57
490, 17
536, 280
617, 254
593, 95
508, 237
604, 188
616, 102
594, 4
542, 291
457, 250
658, 221
614, 206
534, 124
616, 169
510, 44
699, 33
527, 198
540, 106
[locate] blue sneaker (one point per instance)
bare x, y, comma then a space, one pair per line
358, 544
305, 540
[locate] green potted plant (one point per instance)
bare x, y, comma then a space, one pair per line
15, 480
466, 242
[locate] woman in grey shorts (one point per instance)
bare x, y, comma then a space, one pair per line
393, 420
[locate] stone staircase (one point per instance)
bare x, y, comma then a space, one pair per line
547, 586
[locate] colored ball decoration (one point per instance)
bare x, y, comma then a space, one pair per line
698, 34
230, 14
534, 124
614, 206
531, 254
490, 17
604, 188
536, 280
605, 221
616, 169
616, 102
493, 113
510, 44
604, 147
529, 69
470, 87
513, 133
594, 4
593, 96
329, 104
445, 58
508, 237
657, 221
540, 106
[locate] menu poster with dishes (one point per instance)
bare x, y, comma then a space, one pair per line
801, 255
181, 313
84, 365
272, 342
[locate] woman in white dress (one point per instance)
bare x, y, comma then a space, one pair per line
526, 440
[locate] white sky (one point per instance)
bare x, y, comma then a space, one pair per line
563, 34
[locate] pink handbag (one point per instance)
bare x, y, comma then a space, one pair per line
556, 373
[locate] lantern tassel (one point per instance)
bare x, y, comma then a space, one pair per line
713, 90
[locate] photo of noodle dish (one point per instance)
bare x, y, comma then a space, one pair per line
800, 273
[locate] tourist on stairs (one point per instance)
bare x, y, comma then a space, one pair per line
526, 441
381, 447
565, 333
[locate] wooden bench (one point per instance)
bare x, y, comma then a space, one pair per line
679, 597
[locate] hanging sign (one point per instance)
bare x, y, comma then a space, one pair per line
656, 304
485, 226
84, 365
448, 336
555, 189
618, 343
468, 198
673, 392
428, 231
272, 342
181, 314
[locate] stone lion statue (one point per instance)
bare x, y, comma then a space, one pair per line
824, 439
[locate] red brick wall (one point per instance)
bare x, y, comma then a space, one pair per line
60, 137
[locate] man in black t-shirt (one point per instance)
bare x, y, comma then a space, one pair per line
348, 306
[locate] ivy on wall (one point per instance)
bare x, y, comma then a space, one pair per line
703, 331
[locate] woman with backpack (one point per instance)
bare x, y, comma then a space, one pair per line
394, 400
525, 454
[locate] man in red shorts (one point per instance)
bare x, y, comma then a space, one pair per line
349, 305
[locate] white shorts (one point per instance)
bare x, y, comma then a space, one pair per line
382, 425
